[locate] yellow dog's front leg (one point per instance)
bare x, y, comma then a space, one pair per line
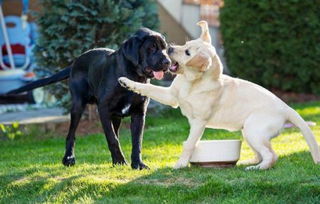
161, 94
197, 128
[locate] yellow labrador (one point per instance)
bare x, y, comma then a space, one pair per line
210, 99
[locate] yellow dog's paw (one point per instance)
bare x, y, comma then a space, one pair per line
249, 162
126, 83
182, 163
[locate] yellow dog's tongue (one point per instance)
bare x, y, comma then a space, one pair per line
158, 75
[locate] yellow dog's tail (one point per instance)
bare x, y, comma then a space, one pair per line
296, 119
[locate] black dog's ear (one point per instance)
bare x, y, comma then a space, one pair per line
130, 50
143, 32
131, 47
163, 42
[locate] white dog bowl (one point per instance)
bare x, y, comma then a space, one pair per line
216, 153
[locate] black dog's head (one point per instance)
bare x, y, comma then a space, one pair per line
146, 50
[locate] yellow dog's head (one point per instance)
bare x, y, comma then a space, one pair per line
195, 57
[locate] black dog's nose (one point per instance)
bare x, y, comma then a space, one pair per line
170, 50
166, 61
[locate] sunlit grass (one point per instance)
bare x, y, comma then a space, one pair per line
31, 169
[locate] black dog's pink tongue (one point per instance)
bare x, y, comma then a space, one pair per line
158, 75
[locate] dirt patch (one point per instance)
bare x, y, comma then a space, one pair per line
168, 182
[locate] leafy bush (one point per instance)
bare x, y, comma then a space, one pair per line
10, 131
68, 28
274, 43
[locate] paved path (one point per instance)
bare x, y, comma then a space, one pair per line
52, 115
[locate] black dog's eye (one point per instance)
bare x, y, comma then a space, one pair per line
153, 47
187, 52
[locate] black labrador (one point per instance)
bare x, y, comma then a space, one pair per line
94, 79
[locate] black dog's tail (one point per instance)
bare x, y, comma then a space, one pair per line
64, 74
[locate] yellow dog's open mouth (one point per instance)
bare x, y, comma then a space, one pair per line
174, 67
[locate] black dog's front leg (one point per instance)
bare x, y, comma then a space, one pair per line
137, 126
112, 139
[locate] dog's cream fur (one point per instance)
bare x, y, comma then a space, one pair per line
210, 99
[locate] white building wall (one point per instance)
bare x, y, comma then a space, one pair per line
190, 15
173, 7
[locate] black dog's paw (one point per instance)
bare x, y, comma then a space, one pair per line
139, 165
69, 160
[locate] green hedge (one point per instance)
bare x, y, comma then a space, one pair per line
69, 27
274, 43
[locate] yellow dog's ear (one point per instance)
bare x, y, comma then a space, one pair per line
202, 61
205, 35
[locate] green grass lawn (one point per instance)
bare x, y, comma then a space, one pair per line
31, 169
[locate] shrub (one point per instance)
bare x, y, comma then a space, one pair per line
68, 28
10, 131
274, 43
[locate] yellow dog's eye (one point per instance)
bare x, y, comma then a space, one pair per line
187, 52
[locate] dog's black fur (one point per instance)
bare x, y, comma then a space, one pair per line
94, 79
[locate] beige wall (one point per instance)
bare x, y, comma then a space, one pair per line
173, 31
185, 14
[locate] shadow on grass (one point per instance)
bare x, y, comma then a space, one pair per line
21, 188
293, 179
288, 182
